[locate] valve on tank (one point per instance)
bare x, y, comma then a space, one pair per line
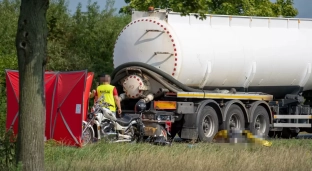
135, 86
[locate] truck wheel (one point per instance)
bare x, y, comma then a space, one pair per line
234, 118
208, 124
260, 122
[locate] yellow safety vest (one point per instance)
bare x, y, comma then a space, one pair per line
107, 91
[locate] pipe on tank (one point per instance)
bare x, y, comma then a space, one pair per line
148, 98
122, 97
151, 68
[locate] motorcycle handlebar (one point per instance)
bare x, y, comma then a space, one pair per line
105, 104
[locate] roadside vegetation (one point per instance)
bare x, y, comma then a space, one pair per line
77, 40
283, 155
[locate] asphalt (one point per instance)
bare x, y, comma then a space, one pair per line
304, 136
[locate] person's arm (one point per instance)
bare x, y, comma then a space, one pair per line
117, 101
92, 94
95, 96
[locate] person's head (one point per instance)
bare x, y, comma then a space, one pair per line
105, 79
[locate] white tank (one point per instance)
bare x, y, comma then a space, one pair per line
254, 53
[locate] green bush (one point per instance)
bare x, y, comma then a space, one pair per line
84, 40
7, 150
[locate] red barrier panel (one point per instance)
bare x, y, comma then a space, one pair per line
66, 103
50, 79
86, 94
12, 86
71, 87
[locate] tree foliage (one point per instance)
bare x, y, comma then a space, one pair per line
9, 10
82, 39
228, 7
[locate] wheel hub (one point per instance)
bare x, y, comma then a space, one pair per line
260, 124
234, 122
208, 126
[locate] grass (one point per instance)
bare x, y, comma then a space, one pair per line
283, 155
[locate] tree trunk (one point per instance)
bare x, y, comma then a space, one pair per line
31, 45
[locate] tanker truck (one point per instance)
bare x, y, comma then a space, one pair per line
196, 77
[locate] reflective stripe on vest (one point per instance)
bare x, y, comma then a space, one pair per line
107, 91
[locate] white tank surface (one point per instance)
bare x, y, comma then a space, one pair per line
221, 51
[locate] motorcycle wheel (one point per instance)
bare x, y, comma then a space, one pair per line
87, 136
135, 134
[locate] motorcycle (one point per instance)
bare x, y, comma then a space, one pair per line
103, 124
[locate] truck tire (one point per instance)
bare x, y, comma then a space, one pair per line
260, 123
208, 124
234, 118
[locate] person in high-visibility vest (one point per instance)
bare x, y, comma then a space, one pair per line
110, 93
